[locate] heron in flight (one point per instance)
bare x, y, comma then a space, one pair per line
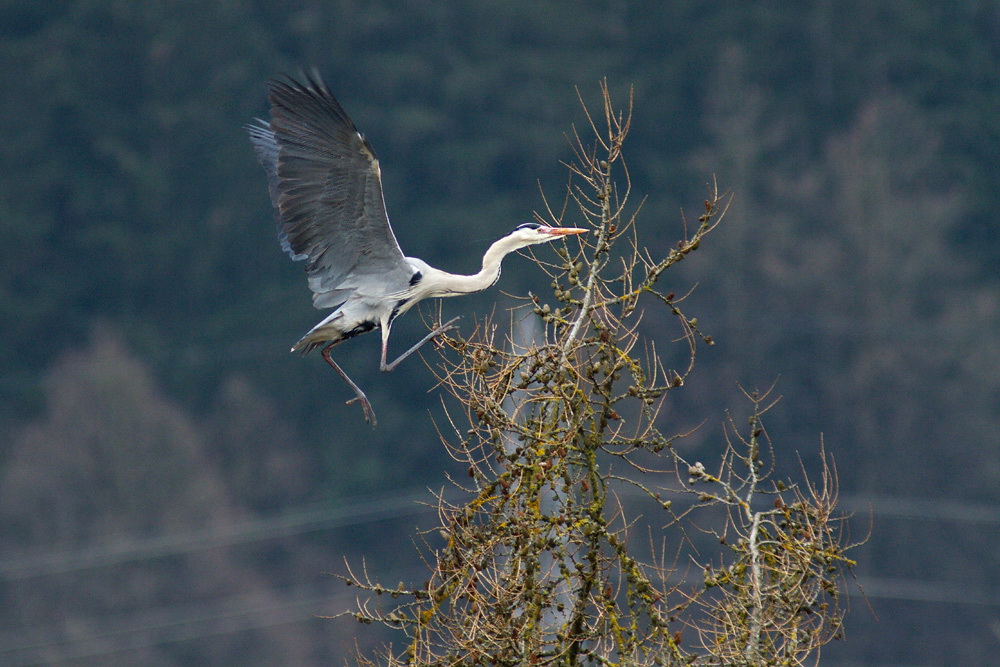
326, 188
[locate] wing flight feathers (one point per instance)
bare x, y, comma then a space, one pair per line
326, 186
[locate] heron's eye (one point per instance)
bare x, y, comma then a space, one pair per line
529, 225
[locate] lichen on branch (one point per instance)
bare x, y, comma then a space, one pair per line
539, 565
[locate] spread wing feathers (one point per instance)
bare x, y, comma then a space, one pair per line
327, 190
266, 149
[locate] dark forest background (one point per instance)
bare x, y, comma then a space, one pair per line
175, 487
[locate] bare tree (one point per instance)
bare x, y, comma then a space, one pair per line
562, 433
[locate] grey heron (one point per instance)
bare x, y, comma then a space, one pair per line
326, 188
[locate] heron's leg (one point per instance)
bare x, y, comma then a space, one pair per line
359, 395
444, 328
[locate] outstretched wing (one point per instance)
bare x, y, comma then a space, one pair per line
326, 187
266, 148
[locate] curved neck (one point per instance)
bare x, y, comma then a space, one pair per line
449, 284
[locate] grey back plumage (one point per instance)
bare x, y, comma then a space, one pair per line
326, 188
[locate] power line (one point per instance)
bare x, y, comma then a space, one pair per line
936, 592
242, 613
363, 511
250, 612
360, 512
174, 625
938, 509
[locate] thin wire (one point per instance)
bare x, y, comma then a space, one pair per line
372, 509
176, 626
362, 511
262, 614
256, 611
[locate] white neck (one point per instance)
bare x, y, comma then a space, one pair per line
441, 283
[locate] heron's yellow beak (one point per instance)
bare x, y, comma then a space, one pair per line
563, 231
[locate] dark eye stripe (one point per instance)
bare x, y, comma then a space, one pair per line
529, 225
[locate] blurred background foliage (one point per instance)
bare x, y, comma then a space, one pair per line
173, 484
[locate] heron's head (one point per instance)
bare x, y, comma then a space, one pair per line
531, 233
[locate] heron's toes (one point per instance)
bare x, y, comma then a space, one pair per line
449, 325
366, 407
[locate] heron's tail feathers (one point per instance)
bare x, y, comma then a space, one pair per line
333, 329
306, 346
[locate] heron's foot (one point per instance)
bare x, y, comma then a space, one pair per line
445, 328
358, 394
366, 406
